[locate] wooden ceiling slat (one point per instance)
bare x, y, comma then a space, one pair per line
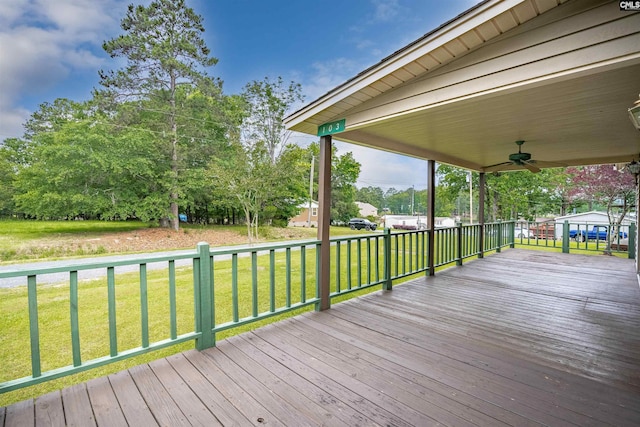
505, 21
456, 47
487, 30
415, 68
525, 11
428, 62
471, 39
403, 74
441, 55
544, 5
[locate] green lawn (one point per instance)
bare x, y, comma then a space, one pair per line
55, 330
23, 239
53, 302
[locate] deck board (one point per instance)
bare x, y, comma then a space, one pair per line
104, 403
49, 410
20, 414
521, 338
164, 409
221, 408
77, 407
131, 402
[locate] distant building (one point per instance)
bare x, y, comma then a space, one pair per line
585, 221
302, 219
408, 222
366, 209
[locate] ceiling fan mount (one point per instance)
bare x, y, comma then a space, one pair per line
519, 159
524, 160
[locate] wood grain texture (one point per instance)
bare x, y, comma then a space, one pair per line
521, 338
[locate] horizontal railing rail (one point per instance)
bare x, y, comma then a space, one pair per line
122, 308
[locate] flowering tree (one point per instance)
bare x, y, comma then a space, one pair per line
607, 185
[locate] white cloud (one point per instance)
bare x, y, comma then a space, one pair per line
385, 10
384, 169
11, 10
11, 120
42, 42
86, 19
328, 75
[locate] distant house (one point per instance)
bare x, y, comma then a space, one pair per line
366, 209
303, 219
584, 221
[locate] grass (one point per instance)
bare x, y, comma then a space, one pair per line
54, 324
583, 248
53, 306
24, 240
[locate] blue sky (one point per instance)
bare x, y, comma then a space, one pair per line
52, 49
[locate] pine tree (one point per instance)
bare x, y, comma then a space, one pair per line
164, 49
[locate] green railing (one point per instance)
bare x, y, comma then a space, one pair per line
568, 236
228, 288
196, 295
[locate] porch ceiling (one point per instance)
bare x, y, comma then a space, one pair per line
558, 75
576, 122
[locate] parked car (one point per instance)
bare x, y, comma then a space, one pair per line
596, 233
361, 223
523, 233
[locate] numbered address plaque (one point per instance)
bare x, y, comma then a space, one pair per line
331, 127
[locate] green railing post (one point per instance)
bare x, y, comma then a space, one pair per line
459, 243
204, 288
481, 236
632, 241
387, 283
512, 234
34, 333
565, 237
499, 243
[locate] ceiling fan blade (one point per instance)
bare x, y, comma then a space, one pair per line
531, 167
496, 167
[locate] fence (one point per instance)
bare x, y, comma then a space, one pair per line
581, 237
198, 294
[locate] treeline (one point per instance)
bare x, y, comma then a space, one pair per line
514, 195
159, 138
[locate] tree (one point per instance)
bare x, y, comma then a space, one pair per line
372, 195
243, 178
268, 102
164, 50
7, 176
84, 167
264, 174
452, 191
517, 194
345, 170
607, 185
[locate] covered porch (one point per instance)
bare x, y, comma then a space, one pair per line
522, 337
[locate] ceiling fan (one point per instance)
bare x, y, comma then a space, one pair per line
521, 159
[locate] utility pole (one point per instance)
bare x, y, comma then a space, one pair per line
413, 193
313, 161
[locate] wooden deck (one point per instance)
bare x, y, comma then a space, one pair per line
520, 338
